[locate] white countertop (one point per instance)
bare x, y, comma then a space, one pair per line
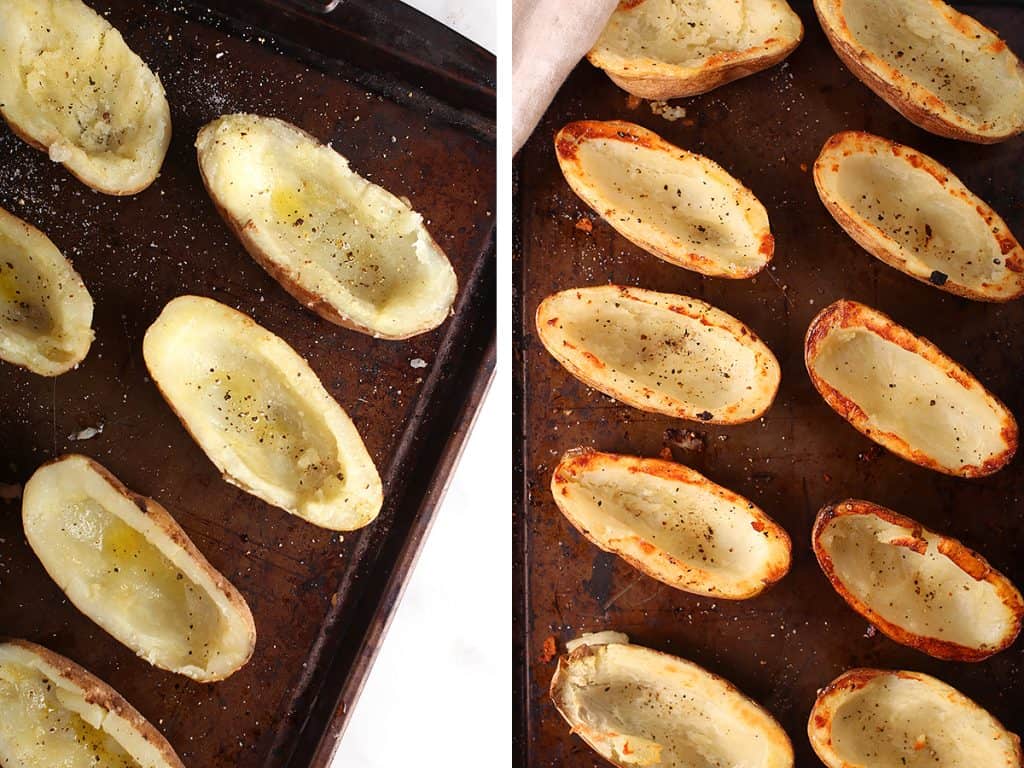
439, 690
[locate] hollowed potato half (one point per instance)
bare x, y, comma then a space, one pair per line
876, 718
635, 707
660, 352
679, 206
920, 588
261, 415
915, 215
672, 523
127, 565
71, 86
905, 394
664, 49
346, 248
45, 309
939, 68
54, 713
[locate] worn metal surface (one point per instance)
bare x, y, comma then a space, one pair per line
321, 603
782, 646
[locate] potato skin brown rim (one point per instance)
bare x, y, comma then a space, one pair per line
969, 561
864, 233
95, 691
573, 134
930, 118
577, 460
846, 313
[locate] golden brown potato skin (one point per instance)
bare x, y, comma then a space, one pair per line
976, 566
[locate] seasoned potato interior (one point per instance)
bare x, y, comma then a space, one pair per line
696, 208
967, 72
902, 393
26, 293
894, 722
925, 594
943, 232
41, 724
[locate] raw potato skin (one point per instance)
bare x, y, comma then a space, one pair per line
590, 369
648, 558
822, 718
661, 667
96, 692
160, 517
845, 314
914, 102
879, 245
244, 231
663, 81
969, 561
567, 143
92, 177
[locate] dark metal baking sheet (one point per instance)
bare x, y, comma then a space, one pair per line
782, 646
321, 603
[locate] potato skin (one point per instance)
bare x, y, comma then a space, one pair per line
846, 142
845, 313
969, 561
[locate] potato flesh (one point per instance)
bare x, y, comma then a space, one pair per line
926, 594
962, 70
911, 207
25, 294
694, 206
40, 727
895, 722
901, 392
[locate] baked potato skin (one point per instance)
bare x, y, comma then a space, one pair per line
926, 113
969, 561
566, 150
668, 569
95, 691
845, 313
853, 141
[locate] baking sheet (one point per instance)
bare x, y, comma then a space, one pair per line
321, 602
782, 646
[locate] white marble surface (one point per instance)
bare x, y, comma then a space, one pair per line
438, 693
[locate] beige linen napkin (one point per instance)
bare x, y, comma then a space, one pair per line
549, 37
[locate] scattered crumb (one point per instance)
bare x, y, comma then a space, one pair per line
585, 225
803, 167
870, 631
87, 434
685, 439
667, 112
418, 362
549, 650
633, 101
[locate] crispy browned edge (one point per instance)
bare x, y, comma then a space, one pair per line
748, 336
850, 142
845, 313
966, 559
578, 460
98, 693
559, 682
566, 143
852, 680
717, 70
284, 276
166, 523
924, 115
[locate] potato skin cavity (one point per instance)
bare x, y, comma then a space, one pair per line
920, 588
349, 250
127, 565
679, 206
915, 215
635, 706
939, 68
661, 49
70, 86
660, 352
45, 308
672, 523
905, 394
261, 415
53, 712
884, 719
